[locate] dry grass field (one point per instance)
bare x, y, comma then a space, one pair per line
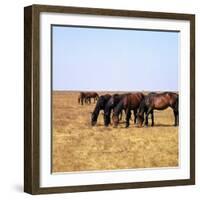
77, 146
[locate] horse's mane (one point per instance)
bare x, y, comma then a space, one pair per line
97, 107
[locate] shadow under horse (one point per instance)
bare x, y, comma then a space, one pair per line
158, 101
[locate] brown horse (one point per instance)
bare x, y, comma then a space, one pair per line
81, 98
128, 102
158, 101
85, 97
89, 95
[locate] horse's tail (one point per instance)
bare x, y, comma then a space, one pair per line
142, 107
177, 103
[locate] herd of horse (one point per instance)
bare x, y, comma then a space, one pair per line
142, 106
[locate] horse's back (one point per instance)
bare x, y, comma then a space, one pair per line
161, 100
134, 99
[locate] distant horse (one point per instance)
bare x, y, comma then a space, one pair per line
100, 105
85, 97
111, 104
89, 95
81, 98
158, 101
128, 102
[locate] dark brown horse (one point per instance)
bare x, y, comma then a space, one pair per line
85, 97
81, 98
90, 95
111, 104
158, 101
100, 105
128, 102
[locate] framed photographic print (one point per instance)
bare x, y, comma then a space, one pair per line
109, 99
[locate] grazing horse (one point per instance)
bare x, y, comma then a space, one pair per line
89, 95
100, 105
158, 101
128, 102
81, 98
111, 104
86, 97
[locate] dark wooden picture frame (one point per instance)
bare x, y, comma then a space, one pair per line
32, 98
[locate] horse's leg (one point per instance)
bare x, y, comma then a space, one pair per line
176, 117
81, 101
152, 118
128, 116
176, 114
147, 116
109, 120
146, 119
135, 116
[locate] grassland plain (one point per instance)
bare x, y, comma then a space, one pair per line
77, 146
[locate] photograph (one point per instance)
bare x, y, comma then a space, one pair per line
109, 99
114, 98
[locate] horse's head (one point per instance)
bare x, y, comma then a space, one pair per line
93, 119
140, 119
115, 119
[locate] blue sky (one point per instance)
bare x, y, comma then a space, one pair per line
114, 59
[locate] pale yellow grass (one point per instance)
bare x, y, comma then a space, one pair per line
77, 146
